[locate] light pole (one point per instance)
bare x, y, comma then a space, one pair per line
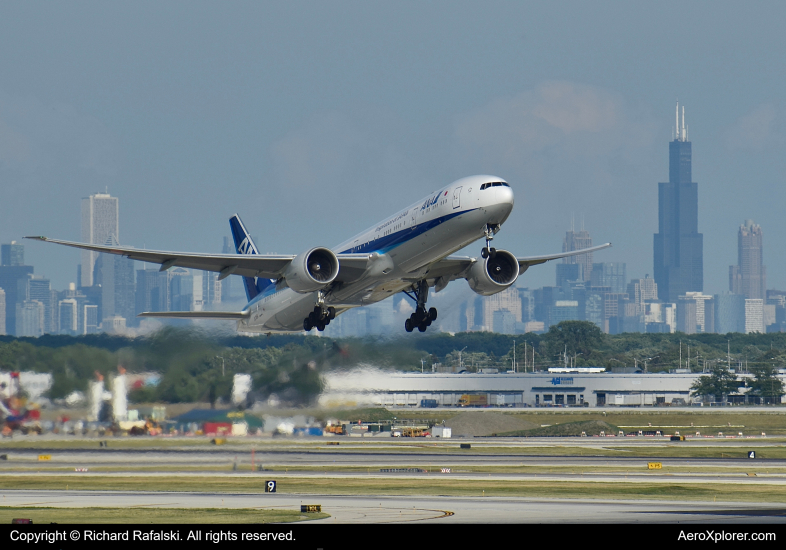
649, 359
461, 365
514, 355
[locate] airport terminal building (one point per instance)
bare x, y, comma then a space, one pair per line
540, 389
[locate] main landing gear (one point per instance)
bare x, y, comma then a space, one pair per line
487, 251
321, 316
420, 319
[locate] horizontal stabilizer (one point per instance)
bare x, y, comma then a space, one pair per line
196, 314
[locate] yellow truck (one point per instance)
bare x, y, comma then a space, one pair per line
473, 400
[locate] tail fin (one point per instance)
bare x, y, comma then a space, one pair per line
244, 244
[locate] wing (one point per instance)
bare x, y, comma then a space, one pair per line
527, 261
455, 267
269, 266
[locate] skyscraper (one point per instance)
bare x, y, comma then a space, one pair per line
99, 220
749, 276
576, 240
729, 313
610, 274
30, 318
39, 289
115, 274
678, 246
12, 254
11, 274
641, 290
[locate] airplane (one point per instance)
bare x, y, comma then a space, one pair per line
407, 252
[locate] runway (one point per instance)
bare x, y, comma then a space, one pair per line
498, 461
432, 509
395, 457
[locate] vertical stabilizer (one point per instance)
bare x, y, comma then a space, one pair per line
244, 244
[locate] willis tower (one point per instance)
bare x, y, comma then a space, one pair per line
679, 247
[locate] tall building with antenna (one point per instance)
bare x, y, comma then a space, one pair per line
576, 240
678, 246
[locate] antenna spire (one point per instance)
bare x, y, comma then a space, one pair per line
677, 122
684, 136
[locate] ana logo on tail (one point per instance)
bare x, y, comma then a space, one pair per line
247, 247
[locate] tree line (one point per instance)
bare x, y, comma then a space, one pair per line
290, 366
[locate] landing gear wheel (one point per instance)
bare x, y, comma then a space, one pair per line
307, 324
331, 313
422, 327
484, 252
492, 253
432, 314
320, 325
408, 326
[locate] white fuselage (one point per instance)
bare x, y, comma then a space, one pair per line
401, 249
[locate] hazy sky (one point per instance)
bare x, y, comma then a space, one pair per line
313, 120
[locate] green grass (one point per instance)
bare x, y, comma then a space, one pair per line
353, 415
601, 447
422, 485
42, 515
771, 420
567, 429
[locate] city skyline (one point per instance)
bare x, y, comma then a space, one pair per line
607, 297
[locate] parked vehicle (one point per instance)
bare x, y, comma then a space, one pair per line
473, 400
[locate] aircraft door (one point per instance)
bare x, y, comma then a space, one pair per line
457, 198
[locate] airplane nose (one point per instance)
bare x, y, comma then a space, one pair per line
504, 195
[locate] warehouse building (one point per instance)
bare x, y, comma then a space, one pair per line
541, 389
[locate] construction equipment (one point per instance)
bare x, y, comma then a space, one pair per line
14, 410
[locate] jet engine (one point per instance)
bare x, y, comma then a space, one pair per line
312, 270
491, 275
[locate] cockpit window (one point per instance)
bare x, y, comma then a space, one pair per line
494, 184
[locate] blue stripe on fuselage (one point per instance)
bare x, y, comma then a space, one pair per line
266, 291
389, 242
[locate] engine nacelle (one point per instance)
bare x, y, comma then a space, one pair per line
492, 275
312, 270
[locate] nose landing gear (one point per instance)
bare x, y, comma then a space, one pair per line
487, 251
420, 319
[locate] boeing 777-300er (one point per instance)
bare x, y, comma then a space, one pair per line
408, 252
